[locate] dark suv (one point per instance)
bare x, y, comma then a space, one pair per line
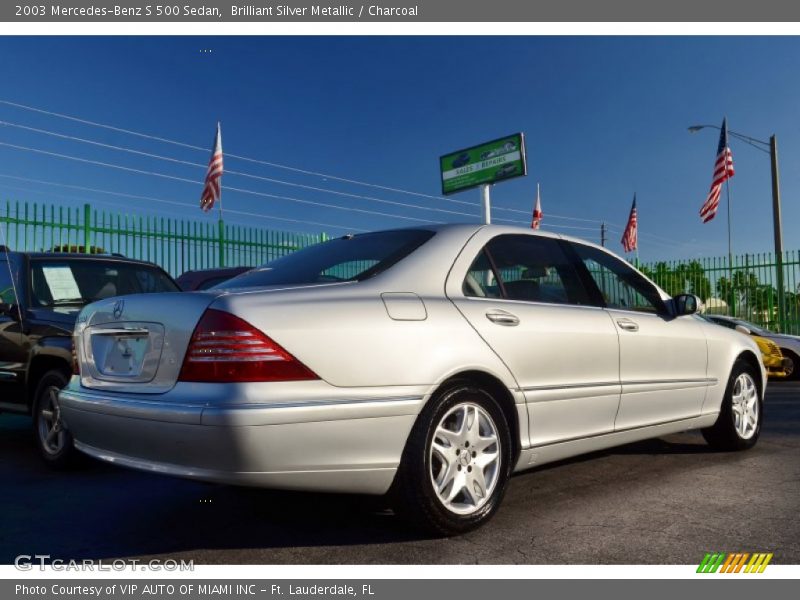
41, 294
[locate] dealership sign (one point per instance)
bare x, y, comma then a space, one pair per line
490, 162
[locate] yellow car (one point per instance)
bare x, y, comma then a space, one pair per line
772, 357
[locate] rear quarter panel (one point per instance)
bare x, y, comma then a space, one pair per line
346, 336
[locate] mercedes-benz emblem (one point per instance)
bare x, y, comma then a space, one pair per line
119, 305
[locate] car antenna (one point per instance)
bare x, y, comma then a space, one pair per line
11, 274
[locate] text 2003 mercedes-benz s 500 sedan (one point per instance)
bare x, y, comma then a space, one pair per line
429, 362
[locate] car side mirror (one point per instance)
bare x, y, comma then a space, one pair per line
686, 304
10, 310
743, 329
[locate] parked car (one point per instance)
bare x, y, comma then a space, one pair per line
41, 295
776, 365
433, 371
509, 146
202, 279
461, 160
506, 170
789, 344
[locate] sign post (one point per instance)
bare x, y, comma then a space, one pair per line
487, 204
483, 165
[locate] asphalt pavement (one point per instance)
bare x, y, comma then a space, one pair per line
663, 501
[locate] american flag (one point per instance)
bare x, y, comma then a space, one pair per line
630, 237
537, 211
723, 169
212, 190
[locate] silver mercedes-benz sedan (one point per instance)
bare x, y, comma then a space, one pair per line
430, 363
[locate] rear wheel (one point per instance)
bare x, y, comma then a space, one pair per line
739, 423
53, 439
456, 464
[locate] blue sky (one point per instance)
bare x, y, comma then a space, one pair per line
604, 117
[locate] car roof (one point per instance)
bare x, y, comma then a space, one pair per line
81, 256
215, 270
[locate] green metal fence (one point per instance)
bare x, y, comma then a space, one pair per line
745, 287
177, 245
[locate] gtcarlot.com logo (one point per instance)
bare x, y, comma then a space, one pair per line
734, 562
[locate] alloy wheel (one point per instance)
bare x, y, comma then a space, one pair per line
51, 430
465, 458
745, 406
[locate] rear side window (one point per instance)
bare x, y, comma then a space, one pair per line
62, 282
525, 267
351, 258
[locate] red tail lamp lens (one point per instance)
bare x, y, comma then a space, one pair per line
225, 349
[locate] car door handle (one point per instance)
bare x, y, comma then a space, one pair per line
502, 317
627, 325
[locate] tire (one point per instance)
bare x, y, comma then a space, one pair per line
442, 486
739, 422
794, 375
52, 439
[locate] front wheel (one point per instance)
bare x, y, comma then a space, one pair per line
792, 368
53, 439
739, 423
456, 464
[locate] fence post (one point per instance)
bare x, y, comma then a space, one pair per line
87, 213
221, 243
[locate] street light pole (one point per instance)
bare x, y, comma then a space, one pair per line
778, 230
770, 148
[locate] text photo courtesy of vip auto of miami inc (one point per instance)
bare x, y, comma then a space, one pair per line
316, 300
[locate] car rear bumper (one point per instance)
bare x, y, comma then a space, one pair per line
336, 446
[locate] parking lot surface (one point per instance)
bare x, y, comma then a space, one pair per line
663, 501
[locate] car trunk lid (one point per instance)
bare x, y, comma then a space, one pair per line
136, 343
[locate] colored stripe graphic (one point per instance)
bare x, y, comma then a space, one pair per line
711, 562
743, 557
735, 562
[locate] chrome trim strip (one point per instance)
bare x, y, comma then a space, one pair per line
707, 380
536, 388
310, 403
530, 302
570, 386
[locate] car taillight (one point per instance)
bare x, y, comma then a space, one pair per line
225, 348
76, 369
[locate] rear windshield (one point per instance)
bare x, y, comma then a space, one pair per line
350, 258
63, 282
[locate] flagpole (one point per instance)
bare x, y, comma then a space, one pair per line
220, 223
637, 233
730, 249
219, 127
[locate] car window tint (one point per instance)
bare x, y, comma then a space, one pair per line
349, 258
481, 281
57, 282
347, 270
619, 284
529, 268
211, 282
